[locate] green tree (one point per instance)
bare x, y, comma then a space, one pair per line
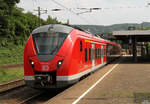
16, 26
50, 20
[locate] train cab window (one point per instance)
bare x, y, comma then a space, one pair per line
80, 45
89, 54
85, 54
48, 43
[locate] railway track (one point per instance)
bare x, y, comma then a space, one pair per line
11, 85
27, 100
17, 88
11, 66
15, 92
19, 95
27, 95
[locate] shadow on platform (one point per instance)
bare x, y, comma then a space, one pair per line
142, 98
130, 60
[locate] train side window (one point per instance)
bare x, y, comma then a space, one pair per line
85, 54
102, 52
89, 54
98, 53
80, 45
95, 53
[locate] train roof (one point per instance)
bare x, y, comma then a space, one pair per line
54, 28
67, 29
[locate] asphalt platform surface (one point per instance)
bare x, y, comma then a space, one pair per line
127, 83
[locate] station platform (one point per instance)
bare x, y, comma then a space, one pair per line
121, 82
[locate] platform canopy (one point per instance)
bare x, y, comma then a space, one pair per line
140, 35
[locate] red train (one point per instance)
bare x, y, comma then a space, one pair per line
56, 56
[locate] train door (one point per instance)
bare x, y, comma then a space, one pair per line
102, 54
93, 55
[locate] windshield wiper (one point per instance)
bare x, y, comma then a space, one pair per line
53, 50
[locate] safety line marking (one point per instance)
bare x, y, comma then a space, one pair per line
77, 100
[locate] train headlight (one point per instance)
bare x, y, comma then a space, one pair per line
31, 63
59, 63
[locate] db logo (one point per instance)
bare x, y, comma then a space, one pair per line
45, 67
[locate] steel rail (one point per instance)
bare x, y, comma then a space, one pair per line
12, 84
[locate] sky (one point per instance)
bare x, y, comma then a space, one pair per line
111, 12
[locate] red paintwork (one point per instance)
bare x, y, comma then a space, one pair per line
29, 51
73, 59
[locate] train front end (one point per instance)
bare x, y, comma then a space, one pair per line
44, 55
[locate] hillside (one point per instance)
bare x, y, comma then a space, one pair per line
98, 29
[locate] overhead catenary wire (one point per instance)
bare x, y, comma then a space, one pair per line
77, 12
63, 6
34, 3
76, 2
70, 10
102, 9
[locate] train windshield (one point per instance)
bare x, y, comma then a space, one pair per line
48, 43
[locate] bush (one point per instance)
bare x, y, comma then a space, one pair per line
11, 54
